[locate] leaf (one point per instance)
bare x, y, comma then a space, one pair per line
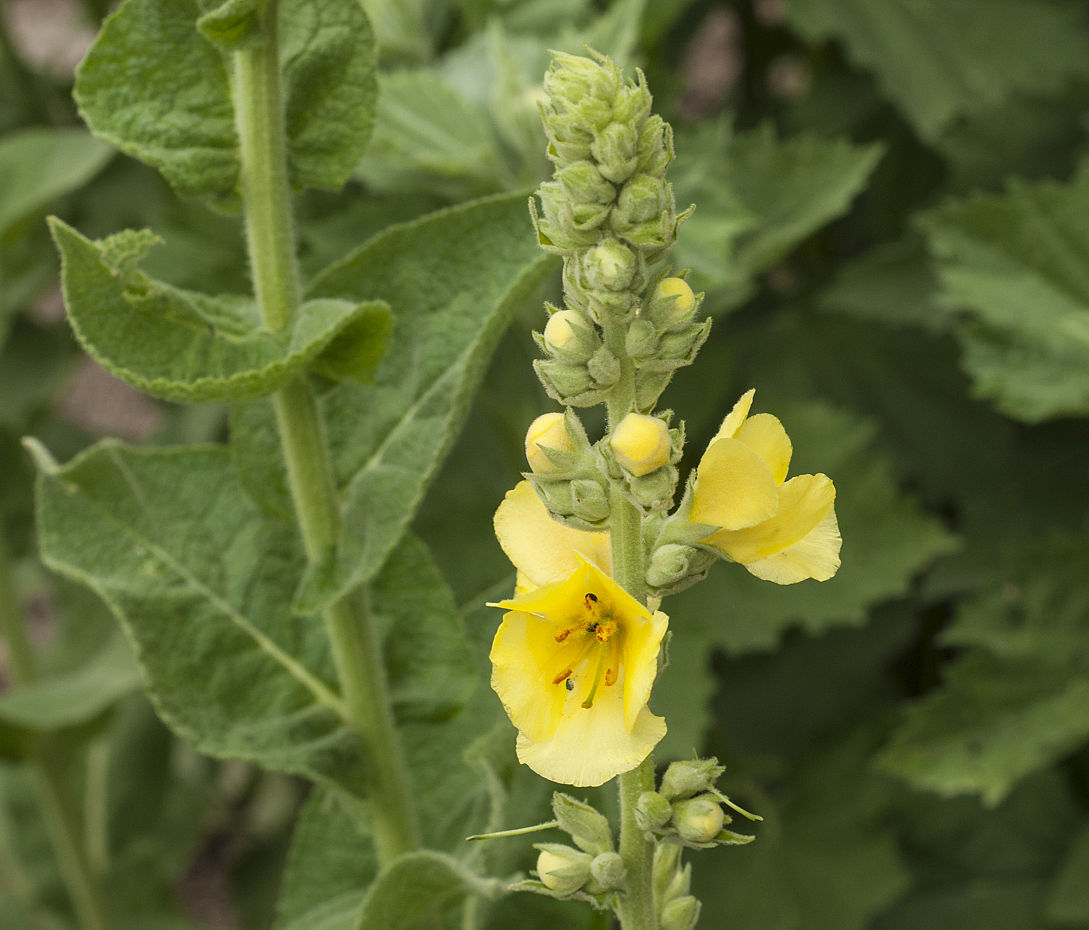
418, 884
39, 165
184, 346
757, 197
428, 136
205, 600
817, 863
452, 279
63, 701
1018, 701
887, 539
1068, 900
181, 119
1016, 265
331, 863
939, 60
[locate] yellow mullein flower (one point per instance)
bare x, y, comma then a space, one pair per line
575, 657
781, 531
573, 663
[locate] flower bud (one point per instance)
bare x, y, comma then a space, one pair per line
584, 183
616, 148
654, 491
641, 340
668, 564
589, 501
588, 828
607, 871
604, 367
631, 104
547, 430
641, 443
671, 303
681, 913
643, 198
567, 383
652, 811
655, 146
698, 819
568, 335
571, 79
562, 869
684, 779
610, 265
666, 868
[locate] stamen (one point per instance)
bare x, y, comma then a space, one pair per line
562, 676
612, 673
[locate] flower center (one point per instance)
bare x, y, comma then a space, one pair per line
596, 645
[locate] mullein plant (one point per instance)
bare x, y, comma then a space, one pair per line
594, 530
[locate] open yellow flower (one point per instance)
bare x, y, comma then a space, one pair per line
575, 657
781, 531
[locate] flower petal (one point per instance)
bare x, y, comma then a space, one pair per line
764, 434
733, 420
734, 487
814, 556
541, 548
806, 515
522, 674
639, 659
592, 745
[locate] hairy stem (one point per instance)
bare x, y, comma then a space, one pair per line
61, 818
274, 267
636, 909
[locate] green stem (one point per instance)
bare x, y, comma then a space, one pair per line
270, 238
61, 819
636, 908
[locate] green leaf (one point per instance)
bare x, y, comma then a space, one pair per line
233, 25
178, 119
62, 701
1068, 900
203, 587
1019, 699
355, 353
427, 136
39, 165
758, 197
181, 119
939, 60
1017, 264
331, 864
189, 347
453, 280
418, 884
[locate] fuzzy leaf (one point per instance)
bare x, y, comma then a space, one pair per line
187, 347
39, 165
68, 700
938, 60
1016, 263
203, 586
181, 119
452, 279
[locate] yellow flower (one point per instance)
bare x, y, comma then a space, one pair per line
781, 531
575, 657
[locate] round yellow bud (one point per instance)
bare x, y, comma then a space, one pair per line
678, 288
558, 331
641, 443
699, 819
563, 870
547, 430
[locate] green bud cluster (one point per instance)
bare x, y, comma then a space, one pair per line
610, 212
591, 870
686, 809
677, 559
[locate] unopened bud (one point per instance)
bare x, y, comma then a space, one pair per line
641, 339
569, 384
616, 148
684, 779
604, 367
666, 867
654, 491
547, 430
584, 183
568, 335
562, 869
671, 303
589, 501
652, 811
643, 198
681, 913
698, 819
641, 443
607, 871
668, 565
610, 265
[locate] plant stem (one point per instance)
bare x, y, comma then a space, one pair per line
636, 907
61, 819
271, 242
